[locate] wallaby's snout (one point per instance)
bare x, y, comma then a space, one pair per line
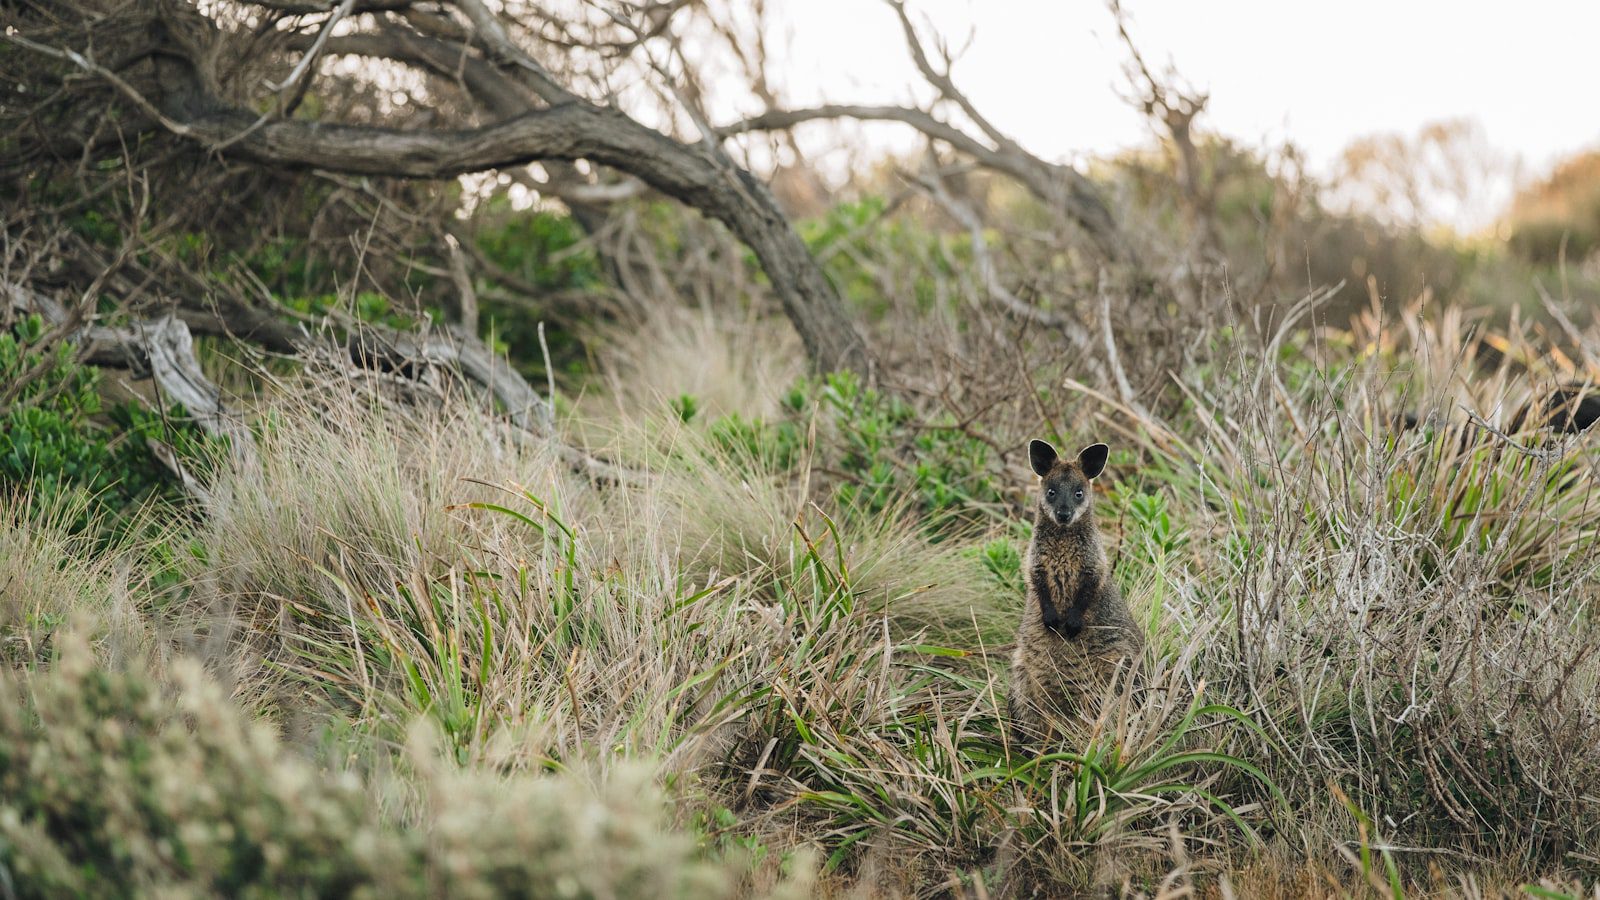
1066, 512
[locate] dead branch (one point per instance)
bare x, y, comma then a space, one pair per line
1060, 187
402, 351
1119, 377
467, 295
159, 348
945, 85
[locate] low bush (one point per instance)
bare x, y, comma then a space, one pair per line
112, 785
56, 436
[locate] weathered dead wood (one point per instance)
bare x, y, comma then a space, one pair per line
162, 350
408, 352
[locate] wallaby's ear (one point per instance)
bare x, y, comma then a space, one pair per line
1093, 460
1042, 456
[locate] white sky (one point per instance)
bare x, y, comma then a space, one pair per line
1319, 74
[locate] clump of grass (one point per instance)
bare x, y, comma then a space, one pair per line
55, 572
343, 499
732, 365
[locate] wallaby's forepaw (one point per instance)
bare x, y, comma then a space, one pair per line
1053, 620
1069, 625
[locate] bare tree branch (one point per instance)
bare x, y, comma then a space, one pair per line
310, 7
467, 295
507, 53
311, 55
185, 98
945, 85
1059, 186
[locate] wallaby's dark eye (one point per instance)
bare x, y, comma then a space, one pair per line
1051, 493
1079, 495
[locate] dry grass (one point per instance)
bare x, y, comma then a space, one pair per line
53, 576
1409, 613
733, 363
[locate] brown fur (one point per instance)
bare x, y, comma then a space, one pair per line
1076, 630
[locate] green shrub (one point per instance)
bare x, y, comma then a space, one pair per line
773, 447
55, 435
1001, 560
112, 786
1153, 537
367, 306
111, 791
545, 250
882, 455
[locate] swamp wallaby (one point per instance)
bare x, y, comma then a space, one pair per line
1076, 630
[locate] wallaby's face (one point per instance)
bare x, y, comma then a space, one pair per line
1065, 492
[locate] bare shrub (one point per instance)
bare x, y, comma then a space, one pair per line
1409, 610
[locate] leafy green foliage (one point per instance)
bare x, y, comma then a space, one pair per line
772, 447
890, 453
887, 456
1155, 538
547, 251
539, 247
55, 435
855, 241
687, 406
1001, 559
368, 306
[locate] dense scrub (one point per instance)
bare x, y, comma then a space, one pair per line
115, 786
717, 599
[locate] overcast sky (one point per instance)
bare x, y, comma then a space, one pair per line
1319, 74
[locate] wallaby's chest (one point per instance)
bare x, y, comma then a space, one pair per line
1060, 578
1062, 565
